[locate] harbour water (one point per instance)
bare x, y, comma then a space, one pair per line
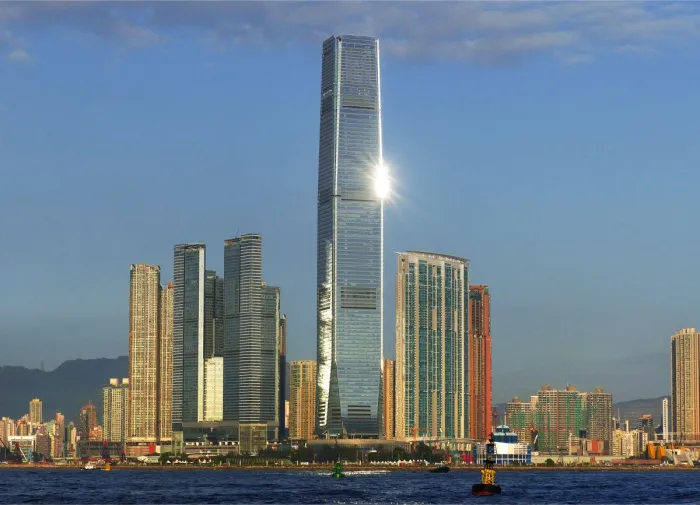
310, 487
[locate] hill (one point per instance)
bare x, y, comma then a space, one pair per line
65, 389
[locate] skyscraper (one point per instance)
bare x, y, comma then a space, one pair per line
165, 370
270, 355
251, 339
144, 327
213, 314
87, 421
188, 337
598, 405
283, 394
430, 343
115, 411
685, 385
352, 184
664, 419
479, 359
302, 400
389, 398
35, 411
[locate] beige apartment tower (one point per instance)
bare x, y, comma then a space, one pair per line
165, 367
685, 386
302, 400
35, 411
144, 328
431, 327
389, 398
115, 411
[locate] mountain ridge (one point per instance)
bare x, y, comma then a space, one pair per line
64, 389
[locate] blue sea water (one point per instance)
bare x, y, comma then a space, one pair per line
309, 487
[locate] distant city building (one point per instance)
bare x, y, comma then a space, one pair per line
251, 340
479, 362
559, 417
214, 393
35, 412
188, 339
302, 400
144, 328
283, 393
664, 418
520, 418
115, 411
352, 185
165, 369
685, 385
430, 345
598, 415
389, 398
87, 421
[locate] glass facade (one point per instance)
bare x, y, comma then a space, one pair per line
188, 335
350, 240
213, 315
251, 337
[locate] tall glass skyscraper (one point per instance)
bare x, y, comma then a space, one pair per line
251, 339
351, 188
188, 335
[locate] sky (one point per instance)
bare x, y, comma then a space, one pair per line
554, 144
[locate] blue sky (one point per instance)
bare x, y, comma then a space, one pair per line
553, 144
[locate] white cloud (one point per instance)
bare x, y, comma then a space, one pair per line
20, 55
471, 31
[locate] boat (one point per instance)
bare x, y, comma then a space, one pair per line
488, 486
338, 470
440, 469
89, 466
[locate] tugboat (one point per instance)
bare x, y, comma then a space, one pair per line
488, 486
338, 470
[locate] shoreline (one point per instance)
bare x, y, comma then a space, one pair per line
355, 468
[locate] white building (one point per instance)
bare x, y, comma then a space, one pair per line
214, 389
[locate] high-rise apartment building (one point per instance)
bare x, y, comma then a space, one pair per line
685, 385
430, 344
35, 411
115, 411
352, 185
598, 405
188, 338
251, 340
165, 367
144, 329
389, 398
664, 419
87, 421
283, 393
302, 400
560, 415
520, 419
479, 362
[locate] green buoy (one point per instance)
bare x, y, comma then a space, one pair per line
338, 470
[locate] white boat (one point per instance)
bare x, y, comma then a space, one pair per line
90, 466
